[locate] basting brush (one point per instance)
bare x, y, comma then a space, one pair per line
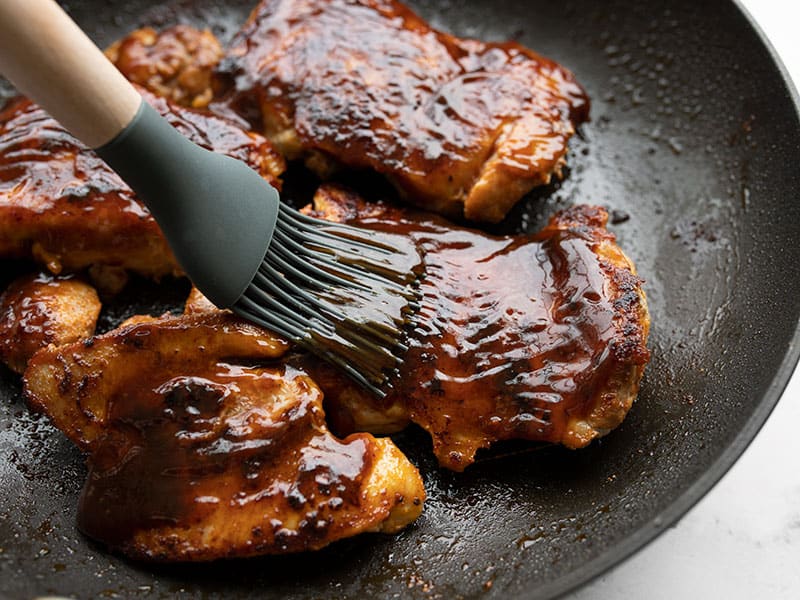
343, 293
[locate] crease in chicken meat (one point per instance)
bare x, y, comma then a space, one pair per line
537, 337
62, 206
461, 127
202, 444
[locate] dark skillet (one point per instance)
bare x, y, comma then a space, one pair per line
694, 144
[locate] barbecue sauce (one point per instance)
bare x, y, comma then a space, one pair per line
458, 125
195, 445
516, 336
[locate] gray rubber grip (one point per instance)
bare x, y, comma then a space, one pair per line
217, 214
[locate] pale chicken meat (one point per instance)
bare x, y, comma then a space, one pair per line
461, 127
39, 310
64, 207
203, 443
536, 337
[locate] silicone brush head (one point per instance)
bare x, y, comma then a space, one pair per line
343, 293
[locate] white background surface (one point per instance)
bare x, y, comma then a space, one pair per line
742, 541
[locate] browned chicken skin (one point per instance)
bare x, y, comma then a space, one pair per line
61, 205
39, 310
198, 453
461, 127
175, 63
522, 337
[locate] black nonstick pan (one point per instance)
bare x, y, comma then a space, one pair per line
694, 145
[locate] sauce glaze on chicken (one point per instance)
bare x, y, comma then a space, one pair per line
63, 206
202, 444
518, 337
461, 127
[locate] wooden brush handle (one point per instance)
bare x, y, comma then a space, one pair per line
47, 56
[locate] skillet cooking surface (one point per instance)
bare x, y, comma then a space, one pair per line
695, 139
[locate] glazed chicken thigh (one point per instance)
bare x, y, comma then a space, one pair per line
537, 337
461, 127
202, 444
39, 310
64, 207
176, 63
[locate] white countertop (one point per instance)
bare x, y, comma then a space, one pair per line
742, 540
